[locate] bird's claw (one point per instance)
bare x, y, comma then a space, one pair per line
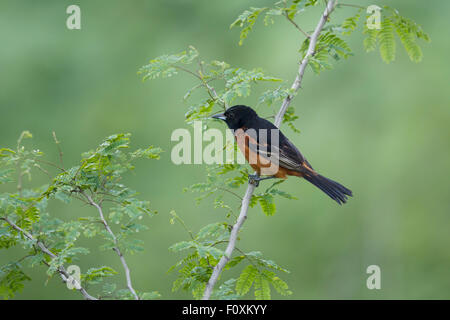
254, 179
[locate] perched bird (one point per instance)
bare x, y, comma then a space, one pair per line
271, 154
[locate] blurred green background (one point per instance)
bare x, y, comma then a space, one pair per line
382, 130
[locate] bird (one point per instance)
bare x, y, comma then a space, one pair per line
271, 154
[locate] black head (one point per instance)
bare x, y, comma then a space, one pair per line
237, 116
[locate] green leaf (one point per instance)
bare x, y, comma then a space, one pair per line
183, 245
108, 289
62, 196
198, 289
280, 286
407, 32
11, 280
257, 255
150, 295
165, 66
271, 96
27, 217
7, 238
267, 204
132, 245
149, 153
214, 231
96, 275
349, 25
246, 279
225, 291
204, 251
262, 288
387, 40
235, 261
246, 20
5, 175
370, 42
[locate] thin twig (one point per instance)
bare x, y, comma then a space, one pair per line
188, 71
61, 270
183, 225
296, 25
19, 179
211, 91
230, 192
251, 187
350, 5
50, 164
116, 243
59, 149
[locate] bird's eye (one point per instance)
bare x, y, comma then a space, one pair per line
230, 116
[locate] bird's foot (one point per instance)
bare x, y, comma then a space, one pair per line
254, 179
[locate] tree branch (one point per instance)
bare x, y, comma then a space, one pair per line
301, 71
116, 243
61, 270
251, 188
231, 244
296, 25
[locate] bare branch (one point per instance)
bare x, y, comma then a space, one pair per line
116, 243
61, 270
251, 188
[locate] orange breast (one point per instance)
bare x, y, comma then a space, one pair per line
260, 164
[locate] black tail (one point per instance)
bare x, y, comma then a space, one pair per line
334, 190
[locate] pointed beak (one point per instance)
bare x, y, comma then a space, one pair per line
219, 116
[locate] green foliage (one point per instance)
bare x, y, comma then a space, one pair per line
96, 179
393, 23
408, 31
226, 291
246, 279
195, 269
246, 20
202, 254
168, 65
329, 44
289, 118
260, 275
351, 23
150, 295
266, 199
275, 95
370, 42
289, 9
96, 275
11, 280
387, 40
230, 82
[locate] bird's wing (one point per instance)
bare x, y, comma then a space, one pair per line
286, 153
